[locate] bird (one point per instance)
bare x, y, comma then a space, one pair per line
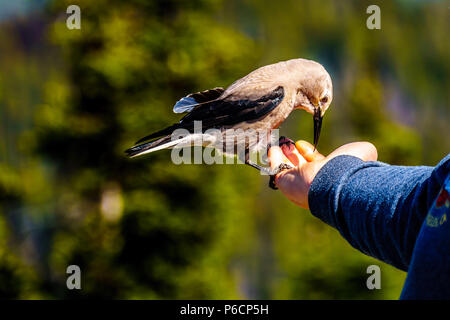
259, 101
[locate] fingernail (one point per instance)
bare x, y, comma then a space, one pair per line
287, 148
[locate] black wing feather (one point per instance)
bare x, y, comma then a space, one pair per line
229, 112
207, 95
225, 113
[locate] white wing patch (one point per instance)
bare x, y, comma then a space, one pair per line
185, 104
192, 100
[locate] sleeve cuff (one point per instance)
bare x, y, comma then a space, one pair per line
326, 184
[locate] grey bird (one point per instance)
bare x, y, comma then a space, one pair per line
261, 100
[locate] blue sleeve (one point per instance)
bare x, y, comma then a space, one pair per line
429, 270
378, 208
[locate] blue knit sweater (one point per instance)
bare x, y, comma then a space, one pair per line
392, 213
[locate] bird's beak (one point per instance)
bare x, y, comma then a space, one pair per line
317, 125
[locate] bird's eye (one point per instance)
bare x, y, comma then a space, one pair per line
324, 99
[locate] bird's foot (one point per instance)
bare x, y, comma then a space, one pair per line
273, 173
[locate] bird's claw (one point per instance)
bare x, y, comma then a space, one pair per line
283, 140
281, 167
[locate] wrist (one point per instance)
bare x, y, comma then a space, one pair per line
325, 185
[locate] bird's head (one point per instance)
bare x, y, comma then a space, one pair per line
314, 92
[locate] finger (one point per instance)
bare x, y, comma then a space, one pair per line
308, 152
363, 150
292, 154
276, 157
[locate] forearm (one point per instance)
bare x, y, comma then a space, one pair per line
378, 208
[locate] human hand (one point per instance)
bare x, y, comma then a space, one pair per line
306, 162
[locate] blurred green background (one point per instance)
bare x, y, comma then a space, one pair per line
71, 102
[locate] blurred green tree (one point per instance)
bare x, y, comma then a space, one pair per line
71, 101
144, 224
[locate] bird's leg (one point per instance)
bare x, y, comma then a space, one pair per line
252, 164
265, 170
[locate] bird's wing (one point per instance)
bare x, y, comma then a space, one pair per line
233, 109
226, 111
188, 103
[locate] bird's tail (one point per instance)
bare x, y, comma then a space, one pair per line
144, 148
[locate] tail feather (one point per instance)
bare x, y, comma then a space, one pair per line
159, 133
151, 146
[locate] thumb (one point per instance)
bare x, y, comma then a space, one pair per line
308, 151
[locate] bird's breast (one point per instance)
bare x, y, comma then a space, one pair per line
275, 118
